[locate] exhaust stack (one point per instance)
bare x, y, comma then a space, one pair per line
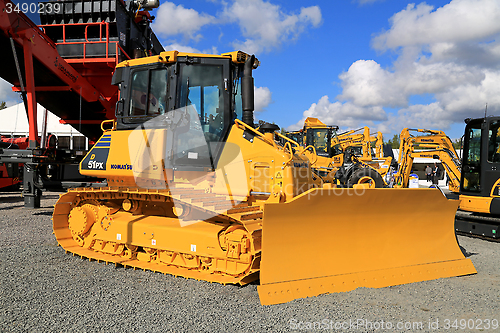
247, 92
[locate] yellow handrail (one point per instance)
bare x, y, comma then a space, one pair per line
314, 153
113, 127
291, 151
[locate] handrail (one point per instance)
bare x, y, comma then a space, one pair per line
290, 150
314, 153
113, 127
287, 138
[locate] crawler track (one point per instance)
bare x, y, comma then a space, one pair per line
183, 232
479, 226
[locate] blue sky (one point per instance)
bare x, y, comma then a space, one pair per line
387, 64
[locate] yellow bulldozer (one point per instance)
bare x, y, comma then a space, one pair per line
194, 190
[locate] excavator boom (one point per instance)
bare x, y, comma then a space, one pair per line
433, 145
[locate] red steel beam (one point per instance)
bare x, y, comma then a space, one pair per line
110, 61
30, 94
21, 29
45, 88
79, 121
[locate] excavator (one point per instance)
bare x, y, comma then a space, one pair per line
427, 144
478, 205
194, 190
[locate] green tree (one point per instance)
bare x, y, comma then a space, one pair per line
457, 144
3, 105
394, 142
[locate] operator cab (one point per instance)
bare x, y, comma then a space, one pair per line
195, 97
321, 140
481, 157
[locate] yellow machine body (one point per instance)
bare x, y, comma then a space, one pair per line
260, 211
479, 204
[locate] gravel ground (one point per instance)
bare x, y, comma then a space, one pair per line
45, 290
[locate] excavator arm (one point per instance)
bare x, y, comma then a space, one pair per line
434, 145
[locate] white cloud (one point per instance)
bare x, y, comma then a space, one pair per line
449, 55
265, 26
189, 49
174, 19
345, 115
262, 98
469, 99
458, 21
367, 84
181, 48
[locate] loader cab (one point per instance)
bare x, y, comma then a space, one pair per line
481, 157
195, 98
320, 139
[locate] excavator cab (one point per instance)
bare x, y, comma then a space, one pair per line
480, 183
471, 164
480, 178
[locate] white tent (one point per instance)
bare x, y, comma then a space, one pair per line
14, 122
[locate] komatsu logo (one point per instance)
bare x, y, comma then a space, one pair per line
123, 166
96, 165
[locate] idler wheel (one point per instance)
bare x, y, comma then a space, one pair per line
130, 205
180, 210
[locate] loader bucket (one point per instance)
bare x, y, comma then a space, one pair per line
337, 240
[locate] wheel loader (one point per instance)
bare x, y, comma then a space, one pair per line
343, 158
194, 190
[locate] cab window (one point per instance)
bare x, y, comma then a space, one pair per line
148, 90
202, 88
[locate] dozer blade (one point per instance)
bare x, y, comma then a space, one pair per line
337, 240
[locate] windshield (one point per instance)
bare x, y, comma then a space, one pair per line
201, 88
472, 158
494, 142
297, 137
319, 139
